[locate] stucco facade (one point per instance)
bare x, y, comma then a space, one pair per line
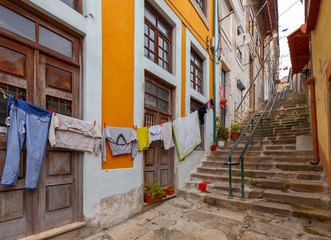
321, 62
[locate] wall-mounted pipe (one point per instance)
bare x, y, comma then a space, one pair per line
311, 82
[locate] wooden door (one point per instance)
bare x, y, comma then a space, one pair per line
48, 76
16, 75
58, 189
158, 161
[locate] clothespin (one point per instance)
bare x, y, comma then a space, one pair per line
104, 125
136, 127
95, 122
172, 120
49, 110
160, 124
133, 127
55, 112
16, 97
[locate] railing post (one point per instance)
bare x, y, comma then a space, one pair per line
242, 181
268, 127
261, 132
252, 131
230, 180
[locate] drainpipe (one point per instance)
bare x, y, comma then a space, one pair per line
214, 75
311, 82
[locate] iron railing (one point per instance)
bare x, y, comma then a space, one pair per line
250, 140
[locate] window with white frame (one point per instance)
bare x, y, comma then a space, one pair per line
196, 72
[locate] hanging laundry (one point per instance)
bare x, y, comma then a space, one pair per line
201, 112
121, 141
187, 134
74, 134
166, 130
143, 138
29, 124
210, 104
154, 133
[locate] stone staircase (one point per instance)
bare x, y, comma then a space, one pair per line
279, 180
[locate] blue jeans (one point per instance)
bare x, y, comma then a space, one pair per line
28, 123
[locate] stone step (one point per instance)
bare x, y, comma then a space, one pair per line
263, 159
222, 174
282, 210
317, 200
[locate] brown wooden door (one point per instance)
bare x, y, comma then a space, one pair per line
16, 75
58, 190
51, 81
158, 161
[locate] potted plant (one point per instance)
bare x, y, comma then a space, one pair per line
213, 146
222, 133
235, 130
170, 190
153, 191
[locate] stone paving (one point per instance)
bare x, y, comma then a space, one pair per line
179, 219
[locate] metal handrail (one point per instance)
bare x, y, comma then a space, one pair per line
250, 140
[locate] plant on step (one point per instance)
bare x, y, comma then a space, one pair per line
153, 188
222, 133
170, 189
235, 130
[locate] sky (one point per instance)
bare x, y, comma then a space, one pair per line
291, 19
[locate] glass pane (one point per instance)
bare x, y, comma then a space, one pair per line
163, 94
151, 88
17, 24
70, 3
160, 42
152, 56
191, 76
152, 34
166, 66
163, 105
146, 41
160, 62
163, 28
151, 45
160, 52
150, 100
146, 29
166, 57
146, 52
166, 46
192, 84
150, 16
54, 41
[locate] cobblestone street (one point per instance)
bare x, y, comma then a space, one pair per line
185, 220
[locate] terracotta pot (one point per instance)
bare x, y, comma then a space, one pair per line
213, 147
223, 101
234, 136
165, 192
150, 199
170, 191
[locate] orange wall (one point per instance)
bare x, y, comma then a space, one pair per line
117, 71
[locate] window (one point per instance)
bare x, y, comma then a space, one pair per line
75, 4
157, 39
239, 54
156, 97
196, 72
193, 107
201, 4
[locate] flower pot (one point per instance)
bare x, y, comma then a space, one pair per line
234, 136
165, 192
220, 143
150, 199
213, 147
223, 101
170, 191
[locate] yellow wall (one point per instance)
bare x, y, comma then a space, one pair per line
117, 71
191, 20
321, 56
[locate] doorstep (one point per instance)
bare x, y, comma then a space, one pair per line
55, 231
148, 206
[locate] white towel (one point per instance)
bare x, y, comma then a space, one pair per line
154, 133
187, 134
168, 141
